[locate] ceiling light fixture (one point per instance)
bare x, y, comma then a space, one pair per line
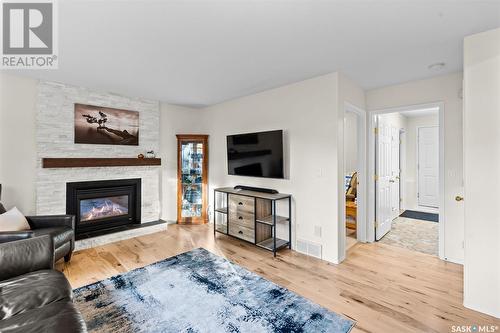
438, 66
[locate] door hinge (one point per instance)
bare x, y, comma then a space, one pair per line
375, 130
375, 177
418, 195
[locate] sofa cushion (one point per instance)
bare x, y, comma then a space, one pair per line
32, 290
60, 235
13, 220
56, 317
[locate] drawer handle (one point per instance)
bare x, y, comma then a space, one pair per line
240, 218
240, 232
240, 203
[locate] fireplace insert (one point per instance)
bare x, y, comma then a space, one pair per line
105, 205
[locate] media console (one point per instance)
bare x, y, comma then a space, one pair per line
253, 217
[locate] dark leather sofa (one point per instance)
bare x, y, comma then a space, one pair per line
60, 227
33, 296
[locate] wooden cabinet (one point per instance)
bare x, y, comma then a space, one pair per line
253, 217
192, 177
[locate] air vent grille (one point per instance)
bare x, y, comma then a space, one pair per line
310, 248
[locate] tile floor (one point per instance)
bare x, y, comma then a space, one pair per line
416, 235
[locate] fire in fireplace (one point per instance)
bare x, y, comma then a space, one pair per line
99, 208
103, 206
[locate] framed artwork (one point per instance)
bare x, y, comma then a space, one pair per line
106, 126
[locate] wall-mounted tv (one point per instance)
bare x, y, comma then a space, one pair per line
256, 154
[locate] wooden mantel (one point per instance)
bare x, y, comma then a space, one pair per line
98, 162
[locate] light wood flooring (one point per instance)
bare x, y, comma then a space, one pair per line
383, 288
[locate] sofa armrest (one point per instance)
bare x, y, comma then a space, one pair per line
10, 236
24, 256
47, 221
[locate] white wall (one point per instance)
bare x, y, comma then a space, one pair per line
411, 177
482, 172
17, 142
308, 113
175, 120
444, 89
351, 142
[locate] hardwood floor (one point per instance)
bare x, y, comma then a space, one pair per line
383, 288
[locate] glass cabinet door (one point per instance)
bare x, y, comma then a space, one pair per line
192, 175
192, 194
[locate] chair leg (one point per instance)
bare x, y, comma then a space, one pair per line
67, 257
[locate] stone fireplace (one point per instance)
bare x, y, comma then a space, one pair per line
55, 139
103, 206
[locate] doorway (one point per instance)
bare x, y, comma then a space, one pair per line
352, 179
351, 168
406, 194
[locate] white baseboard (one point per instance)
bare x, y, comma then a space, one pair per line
490, 312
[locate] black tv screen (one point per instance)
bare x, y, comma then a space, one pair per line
256, 154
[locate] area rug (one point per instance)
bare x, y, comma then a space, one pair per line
198, 291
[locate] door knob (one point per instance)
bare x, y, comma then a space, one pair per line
459, 198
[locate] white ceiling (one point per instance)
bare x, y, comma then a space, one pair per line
197, 53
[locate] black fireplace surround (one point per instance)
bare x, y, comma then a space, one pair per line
104, 205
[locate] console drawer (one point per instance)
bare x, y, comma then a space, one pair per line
241, 204
242, 232
243, 218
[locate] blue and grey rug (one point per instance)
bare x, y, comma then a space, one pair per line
198, 291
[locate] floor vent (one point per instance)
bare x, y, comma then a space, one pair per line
309, 248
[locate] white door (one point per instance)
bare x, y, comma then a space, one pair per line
383, 184
395, 170
428, 166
